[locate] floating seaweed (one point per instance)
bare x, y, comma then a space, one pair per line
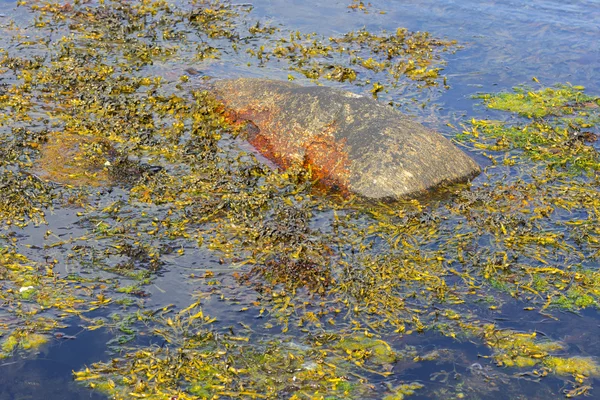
339, 285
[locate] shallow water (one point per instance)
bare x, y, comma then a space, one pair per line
504, 44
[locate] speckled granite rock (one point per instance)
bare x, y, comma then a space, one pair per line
352, 143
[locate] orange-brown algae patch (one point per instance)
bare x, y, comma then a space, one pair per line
73, 159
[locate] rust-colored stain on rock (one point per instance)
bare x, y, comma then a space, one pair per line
329, 160
320, 152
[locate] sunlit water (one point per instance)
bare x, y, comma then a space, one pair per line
505, 43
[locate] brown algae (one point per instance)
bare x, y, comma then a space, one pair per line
338, 284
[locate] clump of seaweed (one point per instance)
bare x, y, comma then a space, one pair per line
400, 54
559, 131
516, 349
579, 367
39, 300
559, 100
22, 340
210, 364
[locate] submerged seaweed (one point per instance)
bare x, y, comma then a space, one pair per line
339, 285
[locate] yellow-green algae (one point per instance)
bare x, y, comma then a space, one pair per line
401, 391
213, 366
581, 367
432, 267
22, 340
39, 300
378, 350
559, 130
401, 54
517, 349
553, 101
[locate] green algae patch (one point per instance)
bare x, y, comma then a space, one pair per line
32, 341
575, 299
560, 131
9, 344
516, 349
378, 351
564, 148
550, 101
403, 391
576, 366
22, 341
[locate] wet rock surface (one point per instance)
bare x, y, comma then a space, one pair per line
351, 143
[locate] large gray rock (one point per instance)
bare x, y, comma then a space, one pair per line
353, 143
